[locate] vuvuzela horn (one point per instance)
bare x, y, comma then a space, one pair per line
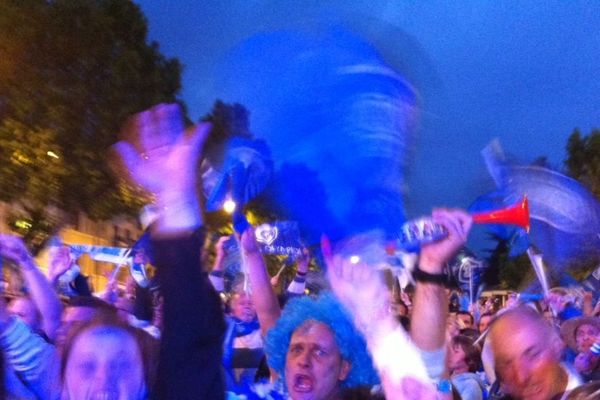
517, 214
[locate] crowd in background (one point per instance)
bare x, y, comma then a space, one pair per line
185, 333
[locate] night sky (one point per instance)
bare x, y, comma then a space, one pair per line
525, 72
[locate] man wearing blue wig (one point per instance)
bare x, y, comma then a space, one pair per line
313, 345
325, 353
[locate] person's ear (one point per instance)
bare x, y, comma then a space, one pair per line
344, 370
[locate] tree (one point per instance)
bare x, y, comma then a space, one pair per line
505, 271
583, 159
70, 73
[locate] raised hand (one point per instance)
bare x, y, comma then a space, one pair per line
158, 153
302, 261
161, 157
39, 288
358, 286
458, 224
60, 262
14, 249
248, 242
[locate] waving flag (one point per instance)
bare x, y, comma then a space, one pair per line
565, 216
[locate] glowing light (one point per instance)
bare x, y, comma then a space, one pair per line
354, 259
229, 206
20, 158
22, 224
52, 154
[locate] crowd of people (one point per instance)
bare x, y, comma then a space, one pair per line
181, 335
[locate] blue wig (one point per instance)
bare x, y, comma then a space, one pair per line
328, 310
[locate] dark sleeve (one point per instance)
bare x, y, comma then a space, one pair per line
142, 307
191, 344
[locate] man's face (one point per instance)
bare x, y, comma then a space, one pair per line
526, 359
242, 307
314, 366
585, 336
104, 363
484, 322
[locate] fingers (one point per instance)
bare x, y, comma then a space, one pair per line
248, 240
219, 246
346, 269
332, 263
159, 126
196, 137
167, 124
335, 263
9, 244
343, 269
221, 241
457, 222
129, 156
302, 261
13, 248
144, 131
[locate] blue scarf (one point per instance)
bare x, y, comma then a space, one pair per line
242, 328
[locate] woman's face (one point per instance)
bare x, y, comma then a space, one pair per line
105, 363
456, 359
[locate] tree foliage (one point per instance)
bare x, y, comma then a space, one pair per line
583, 159
70, 73
506, 272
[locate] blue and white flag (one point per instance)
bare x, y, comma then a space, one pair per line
281, 238
114, 255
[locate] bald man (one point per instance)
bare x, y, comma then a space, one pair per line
527, 353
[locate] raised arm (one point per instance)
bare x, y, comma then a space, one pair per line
298, 284
360, 288
430, 305
162, 159
40, 290
32, 358
218, 269
263, 295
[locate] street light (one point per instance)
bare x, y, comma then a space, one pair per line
229, 206
52, 154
